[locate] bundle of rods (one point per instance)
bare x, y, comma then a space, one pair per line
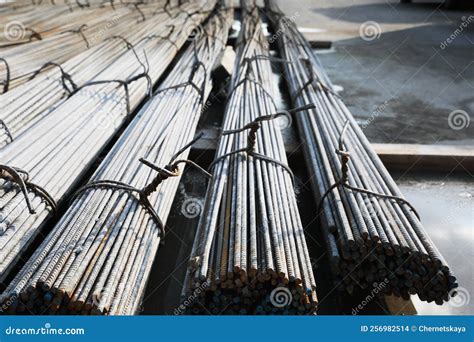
53, 154
19, 62
37, 23
33, 23
27, 104
250, 254
98, 257
373, 235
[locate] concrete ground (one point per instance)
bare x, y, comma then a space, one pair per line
399, 73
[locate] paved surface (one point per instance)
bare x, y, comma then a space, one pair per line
400, 75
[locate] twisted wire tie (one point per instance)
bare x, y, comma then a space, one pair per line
312, 81
170, 170
33, 35
254, 126
344, 179
21, 178
139, 11
123, 39
127, 82
7, 130
80, 31
190, 82
65, 77
167, 37
6, 82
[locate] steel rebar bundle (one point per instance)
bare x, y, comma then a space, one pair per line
98, 257
372, 233
35, 22
22, 26
42, 165
250, 255
18, 63
24, 106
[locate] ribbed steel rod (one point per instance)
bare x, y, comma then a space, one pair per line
28, 103
372, 233
250, 255
98, 258
57, 150
38, 22
18, 63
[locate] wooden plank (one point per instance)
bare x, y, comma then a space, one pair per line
394, 156
399, 306
320, 44
426, 157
